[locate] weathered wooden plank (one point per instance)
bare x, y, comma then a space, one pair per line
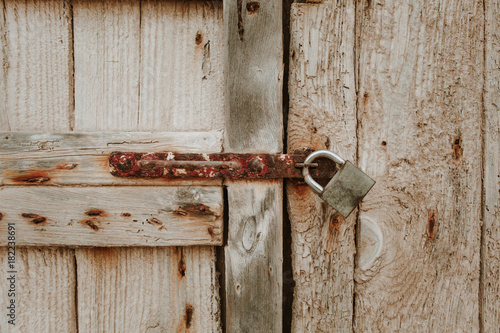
322, 116
107, 56
420, 116
45, 290
253, 255
82, 158
159, 301
38, 96
38, 65
112, 216
185, 89
148, 290
490, 257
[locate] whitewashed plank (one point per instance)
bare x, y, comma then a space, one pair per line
107, 56
162, 310
38, 66
420, 123
164, 293
112, 216
183, 91
490, 258
254, 252
322, 116
82, 158
38, 96
45, 290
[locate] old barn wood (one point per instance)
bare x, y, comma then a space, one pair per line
407, 90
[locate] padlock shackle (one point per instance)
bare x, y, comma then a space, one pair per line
305, 171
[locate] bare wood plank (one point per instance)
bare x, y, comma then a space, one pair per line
163, 294
38, 96
185, 89
253, 255
38, 65
112, 216
420, 115
82, 158
490, 256
193, 303
107, 56
322, 116
45, 290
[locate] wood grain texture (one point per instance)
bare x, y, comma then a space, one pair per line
107, 58
148, 290
490, 257
38, 65
322, 115
420, 115
254, 70
38, 96
112, 216
45, 290
28, 158
181, 66
254, 255
154, 308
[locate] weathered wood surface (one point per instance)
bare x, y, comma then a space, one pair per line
82, 158
37, 94
130, 292
420, 111
38, 66
253, 255
322, 115
148, 290
181, 66
112, 216
490, 258
45, 290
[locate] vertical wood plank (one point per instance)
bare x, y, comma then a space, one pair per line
162, 289
253, 255
107, 56
420, 115
37, 95
490, 258
322, 116
38, 66
183, 91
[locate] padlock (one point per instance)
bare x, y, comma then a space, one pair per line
346, 189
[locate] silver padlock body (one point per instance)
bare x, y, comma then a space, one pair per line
347, 188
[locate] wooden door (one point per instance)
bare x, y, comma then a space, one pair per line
407, 90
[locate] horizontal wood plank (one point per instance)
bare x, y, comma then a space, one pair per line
82, 158
112, 216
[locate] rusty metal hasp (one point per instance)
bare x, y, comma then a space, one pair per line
225, 165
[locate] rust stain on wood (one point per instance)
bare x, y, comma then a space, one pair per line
432, 225
1, 216
91, 224
35, 218
211, 232
33, 177
155, 221
457, 148
189, 315
253, 7
95, 212
199, 38
181, 265
126, 214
